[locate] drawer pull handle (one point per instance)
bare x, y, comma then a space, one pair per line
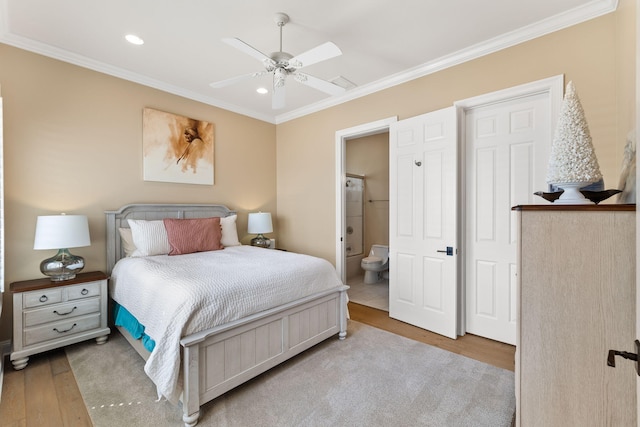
64, 314
84, 291
44, 298
66, 330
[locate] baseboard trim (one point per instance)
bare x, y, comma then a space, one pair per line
5, 349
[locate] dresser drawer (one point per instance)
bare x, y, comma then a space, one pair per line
40, 298
53, 313
85, 290
57, 330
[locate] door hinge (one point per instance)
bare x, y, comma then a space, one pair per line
611, 357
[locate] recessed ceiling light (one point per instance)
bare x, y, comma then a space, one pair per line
133, 39
262, 90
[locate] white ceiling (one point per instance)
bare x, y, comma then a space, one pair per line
384, 42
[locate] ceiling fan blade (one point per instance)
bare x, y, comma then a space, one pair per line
232, 80
248, 49
319, 84
323, 52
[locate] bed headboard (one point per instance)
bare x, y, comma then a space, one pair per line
118, 219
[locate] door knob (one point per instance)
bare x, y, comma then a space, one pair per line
611, 356
448, 251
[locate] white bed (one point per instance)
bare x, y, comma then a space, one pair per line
218, 358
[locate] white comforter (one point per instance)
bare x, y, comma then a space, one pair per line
174, 296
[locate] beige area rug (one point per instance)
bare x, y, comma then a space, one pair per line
373, 378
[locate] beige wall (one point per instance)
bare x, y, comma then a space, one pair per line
597, 55
73, 143
369, 156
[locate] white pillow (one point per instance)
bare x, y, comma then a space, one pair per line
149, 237
127, 241
229, 231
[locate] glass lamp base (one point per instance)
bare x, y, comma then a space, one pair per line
260, 241
62, 266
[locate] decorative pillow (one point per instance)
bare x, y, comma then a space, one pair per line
149, 237
127, 241
193, 235
229, 231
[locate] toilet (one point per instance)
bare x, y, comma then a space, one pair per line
376, 265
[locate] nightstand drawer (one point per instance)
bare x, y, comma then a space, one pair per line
43, 297
57, 330
83, 291
64, 311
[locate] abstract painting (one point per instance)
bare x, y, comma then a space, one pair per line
176, 148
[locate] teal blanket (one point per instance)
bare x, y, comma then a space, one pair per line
123, 318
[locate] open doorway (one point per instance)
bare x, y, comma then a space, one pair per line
363, 151
367, 219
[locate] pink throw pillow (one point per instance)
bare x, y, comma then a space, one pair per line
193, 235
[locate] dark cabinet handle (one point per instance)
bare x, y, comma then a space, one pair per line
84, 291
66, 330
44, 298
64, 314
611, 356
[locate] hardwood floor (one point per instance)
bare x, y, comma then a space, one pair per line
485, 350
45, 393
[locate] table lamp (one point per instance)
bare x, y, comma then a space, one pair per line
260, 223
62, 232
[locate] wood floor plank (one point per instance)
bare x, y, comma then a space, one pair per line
42, 404
59, 362
12, 408
73, 411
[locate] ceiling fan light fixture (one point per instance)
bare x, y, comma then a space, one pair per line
133, 39
279, 76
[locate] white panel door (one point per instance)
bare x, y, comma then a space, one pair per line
507, 148
423, 221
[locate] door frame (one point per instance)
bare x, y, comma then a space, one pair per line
637, 129
554, 86
366, 129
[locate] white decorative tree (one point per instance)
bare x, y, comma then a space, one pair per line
572, 163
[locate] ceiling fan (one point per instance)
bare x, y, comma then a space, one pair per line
282, 64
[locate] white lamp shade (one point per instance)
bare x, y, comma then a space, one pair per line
259, 223
61, 232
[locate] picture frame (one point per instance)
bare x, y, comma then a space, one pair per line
176, 148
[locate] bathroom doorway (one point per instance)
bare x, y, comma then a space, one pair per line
366, 214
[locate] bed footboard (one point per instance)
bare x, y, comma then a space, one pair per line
217, 360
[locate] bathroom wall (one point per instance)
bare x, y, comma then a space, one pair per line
369, 156
354, 201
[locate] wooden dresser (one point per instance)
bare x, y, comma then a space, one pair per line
576, 301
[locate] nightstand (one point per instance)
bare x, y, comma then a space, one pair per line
48, 315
